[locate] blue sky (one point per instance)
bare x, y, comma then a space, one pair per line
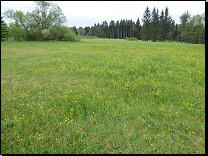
87, 13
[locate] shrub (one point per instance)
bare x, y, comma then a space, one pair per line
46, 34
63, 33
17, 33
132, 39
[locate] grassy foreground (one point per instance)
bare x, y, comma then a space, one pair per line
102, 96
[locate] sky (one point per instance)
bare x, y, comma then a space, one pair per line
87, 13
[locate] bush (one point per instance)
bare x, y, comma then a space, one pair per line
69, 35
132, 39
34, 34
63, 33
87, 37
46, 34
17, 33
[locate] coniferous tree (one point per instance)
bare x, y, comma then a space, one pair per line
133, 31
176, 33
112, 28
154, 25
131, 23
127, 28
86, 30
100, 30
167, 20
74, 29
4, 31
105, 28
138, 29
124, 28
179, 33
97, 30
117, 28
171, 33
146, 25
162, 26
81, 31
121, 29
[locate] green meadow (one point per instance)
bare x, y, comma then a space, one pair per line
102, 96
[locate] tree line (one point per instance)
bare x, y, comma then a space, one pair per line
156, 27
45, 23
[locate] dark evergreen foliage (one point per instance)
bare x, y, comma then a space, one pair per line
156, 26
4, 31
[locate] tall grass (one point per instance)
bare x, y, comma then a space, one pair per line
102, 96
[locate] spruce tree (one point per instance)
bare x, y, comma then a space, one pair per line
167, 22
117, 28
146, 25
4, 31
154, 25
162, 26
112, 28
138, 29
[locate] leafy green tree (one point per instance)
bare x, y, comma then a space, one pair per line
57, 32
19, 17
171, 34
4, 31
81, 31
62, 33
68, 35
45, 14
16, 32
46, 33
184, 19
195, 30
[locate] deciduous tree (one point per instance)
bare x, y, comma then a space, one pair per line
184, 19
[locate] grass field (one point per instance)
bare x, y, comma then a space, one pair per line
102, 96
